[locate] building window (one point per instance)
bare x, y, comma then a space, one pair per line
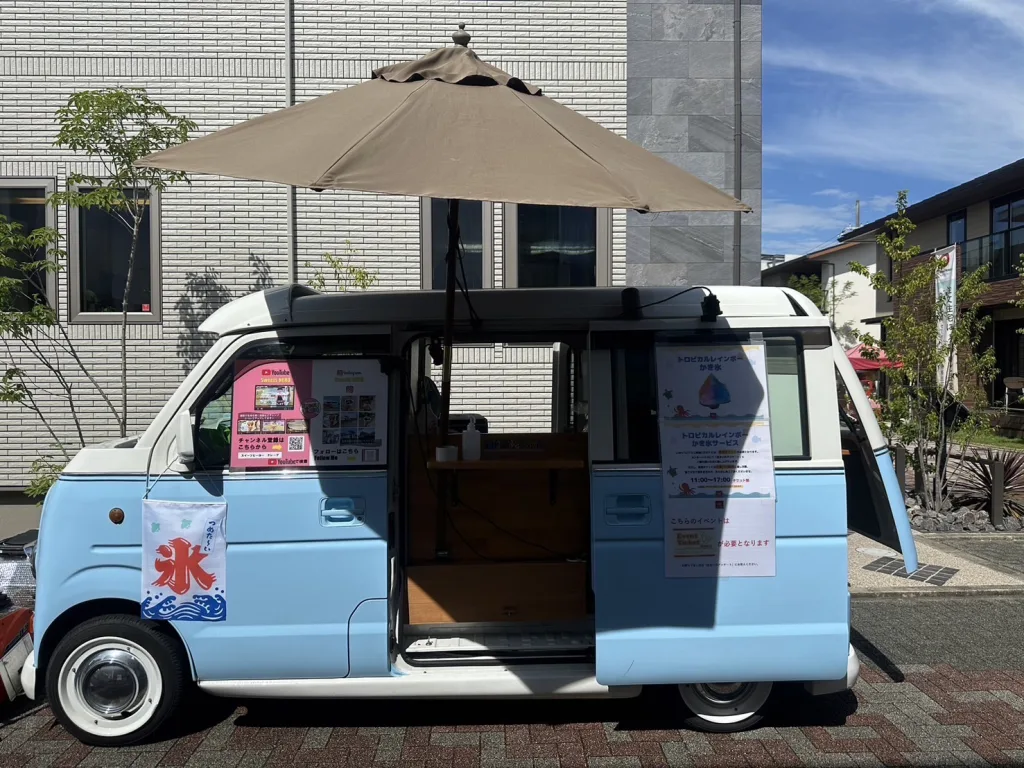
23, 201
100, 248
956, 228
1008, 212
549, 246
475, 228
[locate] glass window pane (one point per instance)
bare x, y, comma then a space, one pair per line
557, 246
1000, 218
957, 230
26, 206
471, 228
785, 398
104, 244
1017, 213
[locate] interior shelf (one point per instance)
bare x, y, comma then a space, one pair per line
507, 464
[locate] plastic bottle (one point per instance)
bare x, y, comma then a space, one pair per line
471, 442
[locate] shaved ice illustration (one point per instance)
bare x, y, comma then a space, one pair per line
713, 393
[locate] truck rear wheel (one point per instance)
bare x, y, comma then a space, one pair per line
114, 680
725, 707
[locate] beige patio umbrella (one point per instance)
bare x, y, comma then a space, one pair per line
447, 126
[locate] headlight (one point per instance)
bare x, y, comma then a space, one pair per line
30, 553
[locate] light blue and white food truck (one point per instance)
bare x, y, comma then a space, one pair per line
290, 525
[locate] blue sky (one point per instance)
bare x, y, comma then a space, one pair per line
863, 98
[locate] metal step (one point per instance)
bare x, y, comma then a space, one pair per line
484, 642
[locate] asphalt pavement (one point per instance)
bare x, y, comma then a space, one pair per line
942, 684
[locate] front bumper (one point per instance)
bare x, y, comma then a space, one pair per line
822, 687
28, 675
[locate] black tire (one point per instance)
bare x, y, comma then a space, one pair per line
165, 651
746, 713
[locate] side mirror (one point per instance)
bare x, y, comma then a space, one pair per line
185, 438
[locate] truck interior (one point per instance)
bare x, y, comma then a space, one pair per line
492, 560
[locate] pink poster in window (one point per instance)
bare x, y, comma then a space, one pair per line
303, 413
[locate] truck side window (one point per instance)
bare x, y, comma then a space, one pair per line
213, 428
786, 398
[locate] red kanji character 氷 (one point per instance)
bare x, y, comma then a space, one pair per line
179, 565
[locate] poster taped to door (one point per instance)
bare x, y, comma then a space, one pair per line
718, 471
184, 561
303, 413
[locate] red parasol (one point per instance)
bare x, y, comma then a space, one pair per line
874, 363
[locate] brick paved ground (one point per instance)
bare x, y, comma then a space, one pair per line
1004, 551
918, 703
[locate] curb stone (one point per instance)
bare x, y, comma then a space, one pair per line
934, 592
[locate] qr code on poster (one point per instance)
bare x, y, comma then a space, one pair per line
296, 443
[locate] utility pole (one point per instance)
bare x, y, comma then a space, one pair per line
858, 214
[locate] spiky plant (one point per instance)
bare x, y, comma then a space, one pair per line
973, 483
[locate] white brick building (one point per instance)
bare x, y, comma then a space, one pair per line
222, 61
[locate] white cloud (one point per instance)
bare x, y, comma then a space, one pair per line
799, 228
1006, 14
841, 194
948, 115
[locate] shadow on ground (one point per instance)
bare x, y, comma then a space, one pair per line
655, 710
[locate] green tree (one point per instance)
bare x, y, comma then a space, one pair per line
828, 298
931, 378
338, 273
30, 330
115, 128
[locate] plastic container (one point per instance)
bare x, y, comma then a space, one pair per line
447, 453
471, 442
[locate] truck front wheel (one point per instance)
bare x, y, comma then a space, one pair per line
114, 680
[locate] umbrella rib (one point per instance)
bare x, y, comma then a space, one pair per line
363, 138
577, 146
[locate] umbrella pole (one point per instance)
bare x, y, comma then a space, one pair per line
443, 480
451, 261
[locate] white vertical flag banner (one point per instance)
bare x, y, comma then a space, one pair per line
945, 298
184, 561
718, 472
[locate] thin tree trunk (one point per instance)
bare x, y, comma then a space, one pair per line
124, 324
70, 347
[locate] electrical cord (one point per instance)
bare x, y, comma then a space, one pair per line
677, 295
463, 285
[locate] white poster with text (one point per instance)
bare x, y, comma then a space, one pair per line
718, 473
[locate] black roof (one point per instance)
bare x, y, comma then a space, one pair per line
1008, 179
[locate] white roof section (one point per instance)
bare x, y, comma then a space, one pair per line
297, 305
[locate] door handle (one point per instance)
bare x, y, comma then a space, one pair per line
627, 510
341, 511
337, 517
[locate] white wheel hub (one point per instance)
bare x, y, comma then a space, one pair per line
109, 686
725, 703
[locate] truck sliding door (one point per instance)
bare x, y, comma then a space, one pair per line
653, 627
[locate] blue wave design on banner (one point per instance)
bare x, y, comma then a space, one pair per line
201, 608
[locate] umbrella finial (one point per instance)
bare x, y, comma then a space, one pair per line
462, 36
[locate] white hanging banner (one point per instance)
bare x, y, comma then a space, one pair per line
945, 299
717, 464
184, 561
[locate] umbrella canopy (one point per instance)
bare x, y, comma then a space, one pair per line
874, 363
447, 126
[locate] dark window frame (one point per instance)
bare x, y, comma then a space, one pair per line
288, 348
804, 338
950, 219
427, 235
48, 186
510, 246
77, 312
999, 202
